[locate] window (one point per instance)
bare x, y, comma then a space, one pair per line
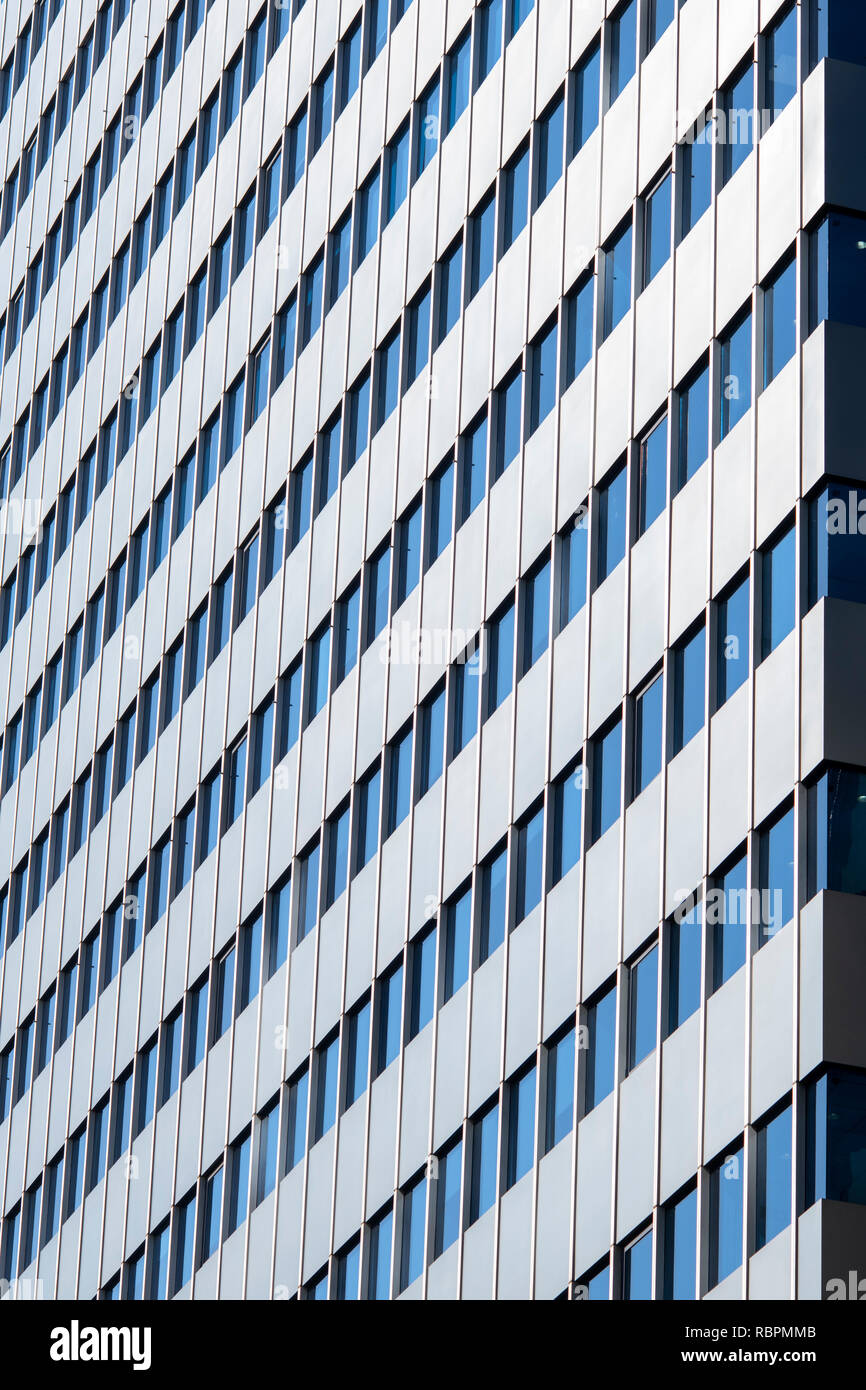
776, 875
488, 38
377, 577
449, 292
587, 90
657, 229
237, 1197
407, 572
387, 378
612, 524
484, 1155
481, 244
413, 1233
643, 994
542, 378
389, 1018
220, 615
170, 1055
605, 779
322, 108
696, 174
653, 476
417, 337
337, 857
196, 1025
358, 420
637, 1269
773, 1181
339, 253
244, 235
550, 150
732, 641
688, 689
262, 747
184, 1243
601, 1050
780, 64
515, 198
379, 1257
684, 966
500, 658
426, 128
367, 819
210, 1215
431, 749
456, 82
464, 701
681, 1247
297, 1105
559, 1109
296, 150
659, 18
566, 826
318, 662
648, 732
520, 1134
289, 709
399, 764
579, 329
208, 816
617, 278
422, 981
278, 916
740, 121
725, 1217
308, 892
693, 425
517, 12
356, 1066
145, 1088
447, 1197
834, 1140
367, 217
780, 320
778, 591
458, 934
573, 560
529, 846
268, 1150
349, 65
622, 50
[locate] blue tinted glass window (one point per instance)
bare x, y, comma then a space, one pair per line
653, 479
637, 1269
494, 905
648, 731
508, 414
515, 211
458, 932
484, 1156
528, 884
488, 38
778, 582
657, 229
680, 1244
426, 129
780, 321
623, 49
773, 1178
617, 281
457, 91
726, 1217
520, 1151
776, 870
643, 994
500, 658
728, 916
586, 96
612, 505
689, 658
550, 151
684, 969
697, 175
740, 119
482, 243
732, 642
559, 1115
579, 330
601, 1028
542, 379
606, 777
693, 442
780, 64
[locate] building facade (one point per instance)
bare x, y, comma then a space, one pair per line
431, 649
